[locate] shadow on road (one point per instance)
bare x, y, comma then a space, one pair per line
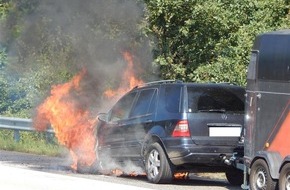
193, 181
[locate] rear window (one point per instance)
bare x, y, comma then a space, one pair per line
214, 99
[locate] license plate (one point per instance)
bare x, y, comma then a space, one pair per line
224, 131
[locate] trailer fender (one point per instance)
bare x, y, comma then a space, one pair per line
273, 160
285, 161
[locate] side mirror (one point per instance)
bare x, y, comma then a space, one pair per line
103, 117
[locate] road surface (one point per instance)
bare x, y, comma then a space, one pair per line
55, 170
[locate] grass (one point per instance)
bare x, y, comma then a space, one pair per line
30, 142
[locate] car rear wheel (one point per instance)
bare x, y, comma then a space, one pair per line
284, 179
158, 167
260, 178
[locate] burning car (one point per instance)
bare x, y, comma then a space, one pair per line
168, 126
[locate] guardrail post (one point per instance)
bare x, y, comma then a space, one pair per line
49, 137
16, 136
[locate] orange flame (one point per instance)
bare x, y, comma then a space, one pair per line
181, 175
129, 80
72, 123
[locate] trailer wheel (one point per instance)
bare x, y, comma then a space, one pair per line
284, 178
260, 178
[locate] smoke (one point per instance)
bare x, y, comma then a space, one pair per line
122, 164
63, 37
125, 168
68, 36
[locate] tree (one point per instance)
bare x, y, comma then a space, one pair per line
4, 104
210, 40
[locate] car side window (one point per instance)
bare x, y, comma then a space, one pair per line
153, 103
193, 96
172, 98
143, 104
122, 108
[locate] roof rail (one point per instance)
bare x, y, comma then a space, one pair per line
229, 83
159, 82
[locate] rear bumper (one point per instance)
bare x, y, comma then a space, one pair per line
184, 151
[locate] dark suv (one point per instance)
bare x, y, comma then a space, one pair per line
170, 126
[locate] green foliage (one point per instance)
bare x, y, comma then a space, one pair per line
29, 142
5, 6
4, 94
4, 104
210, 40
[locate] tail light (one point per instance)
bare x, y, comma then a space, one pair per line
181, 129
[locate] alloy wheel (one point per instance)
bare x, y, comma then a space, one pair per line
153, 163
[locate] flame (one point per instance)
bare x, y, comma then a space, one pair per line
181, 175
72, 122
129, 80
72, 125
119, 172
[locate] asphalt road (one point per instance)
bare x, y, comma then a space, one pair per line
61, 166
36, 180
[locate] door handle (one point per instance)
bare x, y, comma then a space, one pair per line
148, 121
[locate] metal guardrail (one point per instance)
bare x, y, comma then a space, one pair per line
20, 124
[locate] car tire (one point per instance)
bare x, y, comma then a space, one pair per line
158, 168
284, 178
235, 176
260, 178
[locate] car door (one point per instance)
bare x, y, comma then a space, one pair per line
111, 133
140, 120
